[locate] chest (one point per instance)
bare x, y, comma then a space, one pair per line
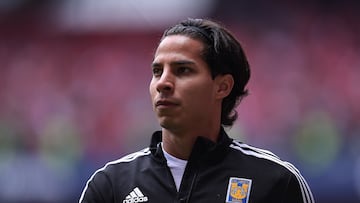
213, 184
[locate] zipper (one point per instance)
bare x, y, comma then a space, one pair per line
191, 187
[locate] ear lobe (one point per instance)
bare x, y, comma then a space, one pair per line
225, 85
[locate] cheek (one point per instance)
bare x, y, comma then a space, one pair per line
152, 89
201, 93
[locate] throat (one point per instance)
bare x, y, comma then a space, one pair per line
177, 146
180, 145
177, 167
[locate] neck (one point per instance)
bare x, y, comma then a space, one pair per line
180, 144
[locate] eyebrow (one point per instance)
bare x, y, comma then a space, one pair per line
175, 63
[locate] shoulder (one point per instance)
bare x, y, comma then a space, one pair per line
127, 159
131, 157
123, 164
284, 172
101, 183
262, 156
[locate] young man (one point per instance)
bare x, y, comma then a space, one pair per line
199, 76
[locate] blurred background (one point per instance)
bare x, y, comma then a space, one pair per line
74, 81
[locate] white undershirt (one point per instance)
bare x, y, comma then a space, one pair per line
177, 167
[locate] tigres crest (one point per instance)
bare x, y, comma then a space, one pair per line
238, 190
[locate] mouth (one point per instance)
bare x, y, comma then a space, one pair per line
165, 103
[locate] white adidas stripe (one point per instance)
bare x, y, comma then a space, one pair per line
303, 184
244, 148
131, 157
264, 154
258, 153
127, 158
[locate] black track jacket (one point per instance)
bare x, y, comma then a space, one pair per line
226, 171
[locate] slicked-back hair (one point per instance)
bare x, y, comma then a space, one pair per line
223, 54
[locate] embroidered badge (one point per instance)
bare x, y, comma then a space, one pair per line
238, 190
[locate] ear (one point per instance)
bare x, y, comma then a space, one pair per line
224, 85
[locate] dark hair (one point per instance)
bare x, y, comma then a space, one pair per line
223, 54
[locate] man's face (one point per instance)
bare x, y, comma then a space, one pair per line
182, 89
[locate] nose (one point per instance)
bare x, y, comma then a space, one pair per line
165, 84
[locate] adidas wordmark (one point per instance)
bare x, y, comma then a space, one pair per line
135, 196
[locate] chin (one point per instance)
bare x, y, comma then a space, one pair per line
165, 125
168, 124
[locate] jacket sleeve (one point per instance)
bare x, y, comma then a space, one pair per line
297, 191
98, 189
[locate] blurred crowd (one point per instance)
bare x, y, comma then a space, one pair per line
71, 102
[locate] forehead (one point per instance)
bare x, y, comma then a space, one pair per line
180, 46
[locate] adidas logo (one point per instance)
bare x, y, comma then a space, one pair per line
135, 196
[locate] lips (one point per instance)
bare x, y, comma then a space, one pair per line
165, 103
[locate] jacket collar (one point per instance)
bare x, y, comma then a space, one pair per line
204, 149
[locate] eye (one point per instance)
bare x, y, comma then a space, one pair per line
183, 70
156, 71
